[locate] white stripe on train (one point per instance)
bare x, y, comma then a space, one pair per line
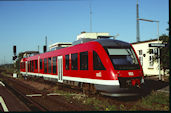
77, 79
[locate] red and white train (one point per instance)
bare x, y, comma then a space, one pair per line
106, 65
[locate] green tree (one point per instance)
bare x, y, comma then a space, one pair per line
164, 54
165, 63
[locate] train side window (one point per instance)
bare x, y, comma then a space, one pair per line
49, 65
32, 66
74, 61
54, 65
67, 62
24, 65
40, 63
97, 64
28, 66
35, 64
84, 60
45, 65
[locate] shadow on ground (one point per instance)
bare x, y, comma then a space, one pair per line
153, 85
150, 84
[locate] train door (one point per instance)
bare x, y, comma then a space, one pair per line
60, 69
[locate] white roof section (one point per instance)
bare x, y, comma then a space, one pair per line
91, 35
61, 44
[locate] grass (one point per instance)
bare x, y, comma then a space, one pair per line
155, 101
92, 101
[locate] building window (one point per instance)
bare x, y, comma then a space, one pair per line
74, 61
151, 62
97, 64
54, 65
45, 65
40, 63
151, 57
84, 60
67, 62
140, 54
49, 65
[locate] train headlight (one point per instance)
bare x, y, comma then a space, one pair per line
142, 80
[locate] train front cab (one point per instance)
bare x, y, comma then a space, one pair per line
126, 69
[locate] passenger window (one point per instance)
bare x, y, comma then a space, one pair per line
74, 61
97, 64
28, 66
67, 62
40, 63
24, 65
84, 60
49, 65
32, 66
54, 65
45, 65
35, 64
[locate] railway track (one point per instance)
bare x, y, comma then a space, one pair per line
44, 102
30, 103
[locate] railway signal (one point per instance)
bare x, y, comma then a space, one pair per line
14, 51
44, 48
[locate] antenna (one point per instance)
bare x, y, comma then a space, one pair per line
90, 17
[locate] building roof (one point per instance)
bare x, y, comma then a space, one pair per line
151, 40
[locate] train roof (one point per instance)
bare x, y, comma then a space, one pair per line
113, 43
102, 42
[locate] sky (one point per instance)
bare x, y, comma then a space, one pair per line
26, 23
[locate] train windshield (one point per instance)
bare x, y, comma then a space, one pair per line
123, 58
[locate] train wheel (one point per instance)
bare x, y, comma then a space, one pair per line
85, 88
60, 86
89, 89
92, 89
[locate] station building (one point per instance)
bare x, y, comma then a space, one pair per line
146, 54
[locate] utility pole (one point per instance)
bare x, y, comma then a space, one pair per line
137, 27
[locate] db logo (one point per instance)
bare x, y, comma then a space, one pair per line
130, 73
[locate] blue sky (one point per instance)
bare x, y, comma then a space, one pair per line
26, 23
